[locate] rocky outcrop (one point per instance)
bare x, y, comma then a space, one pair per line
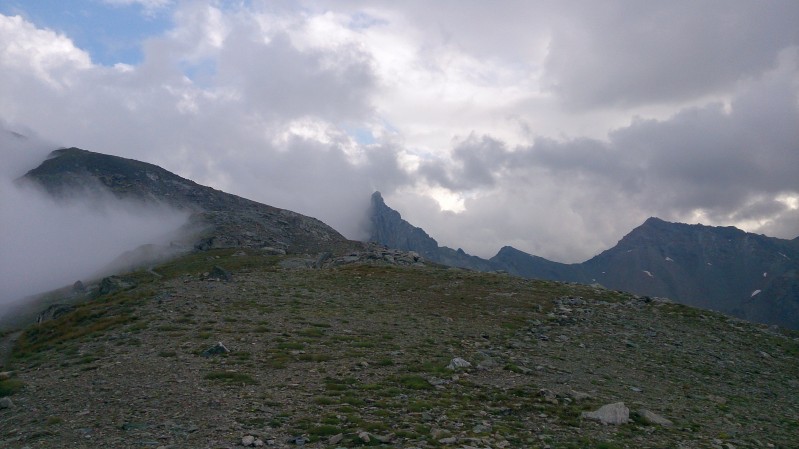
54, 312
113, 284
390, 229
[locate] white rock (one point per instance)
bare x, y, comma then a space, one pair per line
248, 441
458, 363
616, 413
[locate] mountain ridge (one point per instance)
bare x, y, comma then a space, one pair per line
218, 219
721, 268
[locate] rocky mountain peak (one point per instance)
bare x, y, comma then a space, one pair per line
390, 229
218, 220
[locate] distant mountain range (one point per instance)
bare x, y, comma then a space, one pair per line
746, 275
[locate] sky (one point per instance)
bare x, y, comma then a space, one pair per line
553, 127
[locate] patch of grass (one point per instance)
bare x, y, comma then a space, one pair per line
414, 382
385, 362
352, 400
231, 377
323, 430
315, 357
10, 386
53, 420
325, 400
312, 332
167, 354
84, 321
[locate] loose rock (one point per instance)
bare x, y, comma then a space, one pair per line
615, 414
218, 348
458, 363
652, 418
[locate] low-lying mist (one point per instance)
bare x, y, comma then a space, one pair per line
47, 243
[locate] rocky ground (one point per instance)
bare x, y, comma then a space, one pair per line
377, 348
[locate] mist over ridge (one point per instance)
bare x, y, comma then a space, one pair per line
48, 243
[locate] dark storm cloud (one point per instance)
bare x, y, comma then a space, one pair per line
628, 53
475, 163
730, 163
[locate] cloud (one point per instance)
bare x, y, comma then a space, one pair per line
623, 53
49, 244
553, 127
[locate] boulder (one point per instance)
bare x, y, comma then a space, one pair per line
113, 284
218, 273
78, 287
458, 363
216, 349
610, 414
54, 312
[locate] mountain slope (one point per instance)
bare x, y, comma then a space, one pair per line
721, 268
219, 219
356, 355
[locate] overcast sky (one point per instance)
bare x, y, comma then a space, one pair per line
554, 127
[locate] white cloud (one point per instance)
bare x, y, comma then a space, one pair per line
552, 127
28, 51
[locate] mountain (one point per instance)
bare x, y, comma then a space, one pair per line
390, 229
218, 219
720, 268
520, 263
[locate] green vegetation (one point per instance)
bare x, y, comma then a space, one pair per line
231, 377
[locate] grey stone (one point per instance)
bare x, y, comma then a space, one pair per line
385, 439
299, 441
578, 395
54, 312
78, 287
615, 414
652, 418
6, 403
218, 348
248, 441
548, 395
114, 284
335, 439
458, 363
218, 273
